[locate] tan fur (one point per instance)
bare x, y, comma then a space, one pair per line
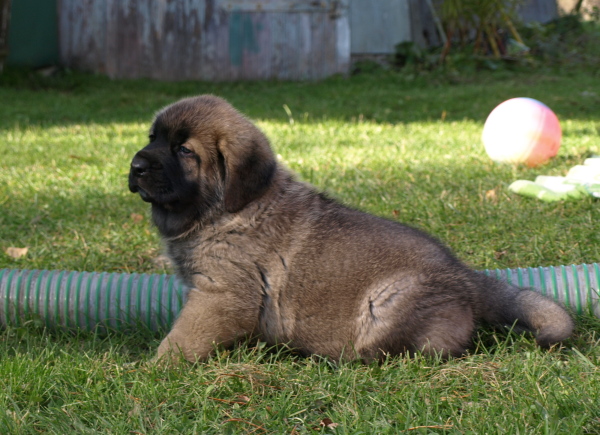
269, 256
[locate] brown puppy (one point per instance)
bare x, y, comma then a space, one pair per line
269, 256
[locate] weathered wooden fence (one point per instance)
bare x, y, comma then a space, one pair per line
206, 39
377, 26
243, 39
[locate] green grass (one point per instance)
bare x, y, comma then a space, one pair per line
406, 148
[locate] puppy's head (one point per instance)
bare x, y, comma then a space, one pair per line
203, 158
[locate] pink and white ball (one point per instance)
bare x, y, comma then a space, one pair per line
522, 130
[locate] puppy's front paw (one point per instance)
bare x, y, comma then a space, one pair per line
169, 352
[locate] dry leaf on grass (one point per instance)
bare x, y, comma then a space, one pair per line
136, 218
16, 252
328, 423
243, 399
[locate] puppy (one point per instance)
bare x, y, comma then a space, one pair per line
268, 256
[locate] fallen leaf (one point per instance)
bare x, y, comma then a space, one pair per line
243, 399
490, 194
328, 423
136, 218
499, 254
16, 252
136, 410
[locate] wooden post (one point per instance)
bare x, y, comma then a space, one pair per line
4, 20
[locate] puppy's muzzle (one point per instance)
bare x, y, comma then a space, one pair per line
139, 169
139, 166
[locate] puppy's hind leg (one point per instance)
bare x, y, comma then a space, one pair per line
399, 317
446, 333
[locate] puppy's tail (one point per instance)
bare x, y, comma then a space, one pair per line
507, 305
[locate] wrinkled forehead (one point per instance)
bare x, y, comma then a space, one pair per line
172, 128
191, 114
204, 117
176, 116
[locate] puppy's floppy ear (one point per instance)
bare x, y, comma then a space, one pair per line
249, 169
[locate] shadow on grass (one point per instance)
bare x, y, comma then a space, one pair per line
383, 97
135, 343
139, 344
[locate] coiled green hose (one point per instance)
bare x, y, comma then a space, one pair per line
89, 300
118, 301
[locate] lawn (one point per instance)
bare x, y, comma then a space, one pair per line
403, 147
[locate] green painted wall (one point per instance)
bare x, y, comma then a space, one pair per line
33, 33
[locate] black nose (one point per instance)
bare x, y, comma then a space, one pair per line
139, 166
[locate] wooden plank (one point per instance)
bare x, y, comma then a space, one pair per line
81, 27
290, 44
276, 5
299, 49
150, 30
222, 64
65, 48
4, 16
173, 45
278, 37
416, 23
256, 61
208, 67
378, 26
110, 54
125, 34
343, 44
186, 39
323, 57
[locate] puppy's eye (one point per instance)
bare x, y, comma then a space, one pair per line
184, 150
152, 137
